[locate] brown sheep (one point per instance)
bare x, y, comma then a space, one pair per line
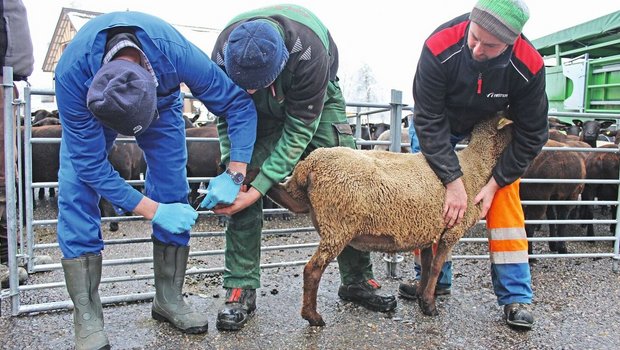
552, 165
332, 185
557, 135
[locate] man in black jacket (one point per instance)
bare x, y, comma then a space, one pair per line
471, 68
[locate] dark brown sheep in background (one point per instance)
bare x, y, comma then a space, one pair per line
552, 165
203, 158
128, 159
404, 211
601, 166
45, 156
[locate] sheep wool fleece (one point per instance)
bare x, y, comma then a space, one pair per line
301, 111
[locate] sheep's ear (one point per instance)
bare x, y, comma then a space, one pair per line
503, 122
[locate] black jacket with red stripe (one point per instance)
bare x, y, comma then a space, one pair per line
453, 92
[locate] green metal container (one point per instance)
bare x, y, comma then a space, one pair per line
583, 66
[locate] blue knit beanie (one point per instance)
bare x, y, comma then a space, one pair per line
123, 96
255, 54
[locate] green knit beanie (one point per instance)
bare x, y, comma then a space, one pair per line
502, 18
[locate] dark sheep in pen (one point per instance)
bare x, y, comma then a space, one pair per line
332, 184
45, 157
128, 159
601, 166
552, 165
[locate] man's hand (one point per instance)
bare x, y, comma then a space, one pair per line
221, 190
486, 196
175, 217
245, 198
455, 203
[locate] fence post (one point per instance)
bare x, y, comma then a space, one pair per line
396, 110
9, 171
615, 267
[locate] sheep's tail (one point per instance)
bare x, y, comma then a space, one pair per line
293, 195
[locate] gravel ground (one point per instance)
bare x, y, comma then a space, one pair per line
576, 305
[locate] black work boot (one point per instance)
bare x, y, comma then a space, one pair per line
518, 316
364, 293
410, 290
237, 310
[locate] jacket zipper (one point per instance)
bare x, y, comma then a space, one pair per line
479, 90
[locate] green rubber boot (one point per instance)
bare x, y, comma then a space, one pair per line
82, 277
169, 264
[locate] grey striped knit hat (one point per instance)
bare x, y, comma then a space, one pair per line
502, 18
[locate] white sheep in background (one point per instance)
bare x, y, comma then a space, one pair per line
387, 135
403, 211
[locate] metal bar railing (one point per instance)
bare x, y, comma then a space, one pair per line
395, 107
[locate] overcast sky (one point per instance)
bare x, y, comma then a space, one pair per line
386, 35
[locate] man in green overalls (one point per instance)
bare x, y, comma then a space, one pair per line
286, 59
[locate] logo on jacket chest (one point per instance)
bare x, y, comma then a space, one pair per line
496, 95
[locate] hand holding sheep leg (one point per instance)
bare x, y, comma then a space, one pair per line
485, 196
455, 203
244, 199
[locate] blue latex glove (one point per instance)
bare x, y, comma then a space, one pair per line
175, 217
221, 190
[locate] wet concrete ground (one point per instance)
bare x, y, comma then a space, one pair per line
576, 305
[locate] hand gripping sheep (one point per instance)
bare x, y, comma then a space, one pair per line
387, 202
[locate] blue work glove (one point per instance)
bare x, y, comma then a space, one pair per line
175, 217
222, 190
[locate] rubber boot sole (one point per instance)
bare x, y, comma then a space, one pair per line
191, 330
372, 307
438, 292
525, 326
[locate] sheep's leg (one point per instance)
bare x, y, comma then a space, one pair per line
612, 227
427, 299
588, 194
533, 212
553, 214
312, 276
563, 211
426, 260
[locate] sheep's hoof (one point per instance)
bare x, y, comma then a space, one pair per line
315, 321
553, 246
428, 308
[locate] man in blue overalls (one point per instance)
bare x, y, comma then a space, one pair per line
121, 74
